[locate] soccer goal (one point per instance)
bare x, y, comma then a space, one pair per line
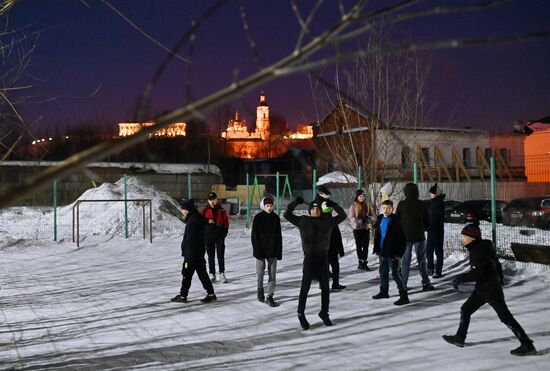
140, 202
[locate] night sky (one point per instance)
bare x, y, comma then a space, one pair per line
89, 62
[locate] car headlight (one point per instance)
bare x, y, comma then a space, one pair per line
537, 213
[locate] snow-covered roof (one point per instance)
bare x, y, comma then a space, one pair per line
337, 177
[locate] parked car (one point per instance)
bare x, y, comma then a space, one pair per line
449, 205
467, 211
486, 211
529, 212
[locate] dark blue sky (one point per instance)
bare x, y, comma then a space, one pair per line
82, 48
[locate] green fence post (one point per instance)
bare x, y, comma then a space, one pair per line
55, 210
493, 203
125, 208
314, 187
247, 203
189, 193
415, 172
359, 177
278, 202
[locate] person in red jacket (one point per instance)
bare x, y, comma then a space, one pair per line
216, 230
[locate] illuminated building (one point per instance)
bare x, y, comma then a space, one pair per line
173, 130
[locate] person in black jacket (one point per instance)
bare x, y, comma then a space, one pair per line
192, 250
436, 231
267, 245
315, 234
389, 245
336, 247
415, 220
486, 271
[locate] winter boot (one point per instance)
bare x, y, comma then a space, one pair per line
403, 299
428, 287
269, 301
303, 321
381, 295
209, 298
325, 318
261, 296
179, 299
437, 275
365, 266
213, 277
361, 265
455, 340
525, 349
337, 287
223, 278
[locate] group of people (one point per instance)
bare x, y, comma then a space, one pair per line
395, 234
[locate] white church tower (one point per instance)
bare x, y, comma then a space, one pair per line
262, 117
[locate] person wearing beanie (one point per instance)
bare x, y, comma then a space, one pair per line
336, 247
217, 226
315, 232
192, 250
436, 232
486, 271
389, 245
267, 246
360, 214
415, 219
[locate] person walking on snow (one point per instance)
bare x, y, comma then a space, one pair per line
192, 250
315, 234
216, 231
486, 271
415, 220
436, 231
359, 215
267, 246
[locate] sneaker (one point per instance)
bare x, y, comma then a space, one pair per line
337, 288
437, 275
261, 296
269, 301
526, 349
454, 339
428, 287
179, 299
209, 298
402, 300
213, 277
381, 295
223, 278
303, 321
325, 318
366, 267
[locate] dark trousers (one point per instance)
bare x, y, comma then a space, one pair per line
314, 265
386, 264
334, 267
187, 271
216, 247
475, 301
434, 243
362, 237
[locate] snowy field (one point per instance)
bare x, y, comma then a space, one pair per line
106, 305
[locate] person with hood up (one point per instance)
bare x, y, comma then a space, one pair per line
415, 220
267, 245
315, 234
436, 231
486, 271
359, 214
336, 247
217, 226
192, 250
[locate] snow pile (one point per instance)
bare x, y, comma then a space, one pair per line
337, 177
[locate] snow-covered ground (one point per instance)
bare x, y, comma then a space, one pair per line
106, 305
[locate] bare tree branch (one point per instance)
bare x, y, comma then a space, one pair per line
304, 25
251, 43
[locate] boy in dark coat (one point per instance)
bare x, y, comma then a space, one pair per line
216, 231
336, 247
486, 271
192, 250
389, 245
315, 234
415, 220
436, 231
267, 245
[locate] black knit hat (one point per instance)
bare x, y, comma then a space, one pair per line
188, 205
472, 230
212, 196
268, 200
314, 204
323, 189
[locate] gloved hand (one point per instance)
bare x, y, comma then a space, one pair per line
225, 233
342, 253
329, 203
299, 200
455, 282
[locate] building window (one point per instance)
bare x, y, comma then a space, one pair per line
466, 158
405, 157
426, 154
505, 154
488, 154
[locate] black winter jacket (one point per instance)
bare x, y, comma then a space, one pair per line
192, 246
437, 213
485, 269
315, 232
336, 245
394, 242
413, 214
267, 241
